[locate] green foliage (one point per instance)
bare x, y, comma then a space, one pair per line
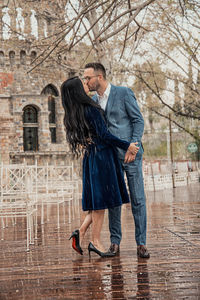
155, 150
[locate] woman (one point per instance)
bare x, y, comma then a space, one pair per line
103, 181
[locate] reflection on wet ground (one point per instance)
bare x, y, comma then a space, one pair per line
52, 270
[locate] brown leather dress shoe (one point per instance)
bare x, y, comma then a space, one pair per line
114, 248
142, 252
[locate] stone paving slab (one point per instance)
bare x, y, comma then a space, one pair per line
52, 270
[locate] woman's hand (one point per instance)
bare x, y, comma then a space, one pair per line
133, 148
131, 153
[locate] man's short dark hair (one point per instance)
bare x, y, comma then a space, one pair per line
97, 67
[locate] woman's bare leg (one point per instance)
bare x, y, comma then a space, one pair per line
97, 222
84, 226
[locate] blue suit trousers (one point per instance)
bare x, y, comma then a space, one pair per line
134, 175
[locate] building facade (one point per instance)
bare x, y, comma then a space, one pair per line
31, 114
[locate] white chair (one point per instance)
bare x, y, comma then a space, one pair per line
18, 199
56, 186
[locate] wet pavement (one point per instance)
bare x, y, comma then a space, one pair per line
52, 270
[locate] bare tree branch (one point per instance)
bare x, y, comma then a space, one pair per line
137, 10
195, 136
157, 94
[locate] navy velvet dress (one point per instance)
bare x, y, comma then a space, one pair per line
103, 178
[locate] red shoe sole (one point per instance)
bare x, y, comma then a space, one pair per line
74, 245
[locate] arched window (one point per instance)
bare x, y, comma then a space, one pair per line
12, 58
1, 58
33, 56
52, 92
22, 57
52, 109
52, 118
50, 89
30, 127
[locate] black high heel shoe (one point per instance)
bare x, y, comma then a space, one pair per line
102, 254
75, 242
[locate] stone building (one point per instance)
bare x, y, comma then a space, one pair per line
31, 114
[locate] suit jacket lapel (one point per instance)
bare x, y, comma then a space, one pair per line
110, 100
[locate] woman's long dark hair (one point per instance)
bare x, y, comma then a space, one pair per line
74, 101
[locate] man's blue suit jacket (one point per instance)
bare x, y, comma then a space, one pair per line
123, 117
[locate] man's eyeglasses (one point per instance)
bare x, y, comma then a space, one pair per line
87, 78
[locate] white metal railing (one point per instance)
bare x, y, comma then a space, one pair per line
24, 187
160, 182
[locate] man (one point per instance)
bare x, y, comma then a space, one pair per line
125, 121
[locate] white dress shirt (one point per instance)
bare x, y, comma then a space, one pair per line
102, 100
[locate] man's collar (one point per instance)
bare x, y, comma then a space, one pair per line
107, 91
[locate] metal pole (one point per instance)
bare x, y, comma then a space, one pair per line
171, 151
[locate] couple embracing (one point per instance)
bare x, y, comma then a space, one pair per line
108, 129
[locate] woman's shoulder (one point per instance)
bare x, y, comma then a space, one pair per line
91, 110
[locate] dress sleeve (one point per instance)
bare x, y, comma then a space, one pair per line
98, 124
